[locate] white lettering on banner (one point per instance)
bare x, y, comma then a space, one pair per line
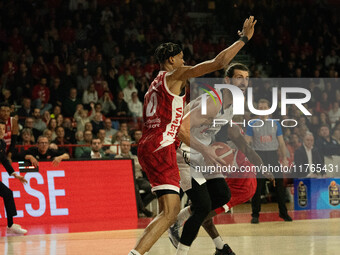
35, 193
53, 193
4, 178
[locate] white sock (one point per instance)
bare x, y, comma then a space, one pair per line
183, 215
226, 208
182, 249
134, 252
218, 242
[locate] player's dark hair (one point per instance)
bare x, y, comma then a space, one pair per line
229, 72
167, 50
2, 122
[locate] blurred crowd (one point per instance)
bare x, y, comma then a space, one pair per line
77, 70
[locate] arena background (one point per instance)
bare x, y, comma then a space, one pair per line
113, 42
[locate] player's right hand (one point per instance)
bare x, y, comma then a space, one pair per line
210, 157
248, 28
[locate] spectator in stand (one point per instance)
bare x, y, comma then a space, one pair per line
60, 120
29, 121
56, 68
324, 119
97, 122
48, 134
25, 110
332, 59
100, 62
142, 86
124, 128
79, 151
130, 88
41, 95
60, 139
314, 124
98, 80
23, 81
336, 135
81, 116
141, 182
67, 33
38, 124
27, 140
137, 135
43, 152
326, 144
90, 95
88, 127
334, 113
107, 104
135, 106
324, 105
109, 131
69, 131
150, 67
122, 107
39, 68
84, 81
57, 93
115, 148
56, 111
102, 136
307, 154
112, 80
52, 125
124, 78
96, 151
70, 103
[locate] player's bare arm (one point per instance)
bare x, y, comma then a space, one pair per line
194, 118
238, 139
248, 139
219, 62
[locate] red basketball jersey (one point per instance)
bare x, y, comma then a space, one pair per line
162, 115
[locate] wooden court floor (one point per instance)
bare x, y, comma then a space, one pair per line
303, 237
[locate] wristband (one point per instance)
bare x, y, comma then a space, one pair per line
244, 39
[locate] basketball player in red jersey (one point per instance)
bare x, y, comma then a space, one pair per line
162, 114
11, 129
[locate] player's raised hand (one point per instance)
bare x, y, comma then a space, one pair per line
248, 28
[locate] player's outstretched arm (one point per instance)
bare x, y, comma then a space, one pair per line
221, 60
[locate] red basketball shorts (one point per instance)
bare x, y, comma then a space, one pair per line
160, 167
242, 184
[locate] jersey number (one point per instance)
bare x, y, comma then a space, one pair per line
152, 105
